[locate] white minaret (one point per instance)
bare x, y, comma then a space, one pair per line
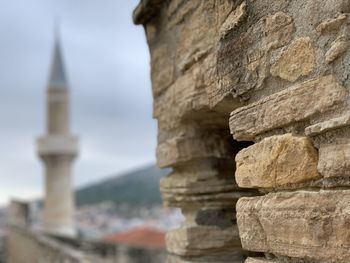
57, 149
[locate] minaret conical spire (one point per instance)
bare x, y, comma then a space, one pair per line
57, 74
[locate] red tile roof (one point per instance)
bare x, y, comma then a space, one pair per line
143, 237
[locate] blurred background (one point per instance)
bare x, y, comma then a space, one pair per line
107, 64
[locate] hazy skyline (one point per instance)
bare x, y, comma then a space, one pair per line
107, 64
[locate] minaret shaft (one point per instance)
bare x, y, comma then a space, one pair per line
59, 208
57, 111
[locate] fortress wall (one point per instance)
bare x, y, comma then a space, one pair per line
25, 246
252, 103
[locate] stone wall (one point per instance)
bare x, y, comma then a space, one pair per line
275, 75
24, 245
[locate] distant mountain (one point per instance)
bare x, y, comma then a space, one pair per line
136, 188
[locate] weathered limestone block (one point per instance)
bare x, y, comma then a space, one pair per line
235, 257
328, 125
193, 47
146, 10
201, 183
195, 189
334, 163
203, 17
297, 103
313, 225
194, 144
316, 11
187, 98
172, 105
243, 58
338, 47
280, 29
296, 61
233, 19
259, 260
178, 10
188, 241
163, 69
331, 24
210, 200
190, 182
277, 161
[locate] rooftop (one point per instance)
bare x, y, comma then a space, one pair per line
143, 237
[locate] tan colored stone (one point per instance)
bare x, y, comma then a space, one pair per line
187, 98
233, 19
277, 161
279, 29
200, 177
211, 188
211, 200
296, 103
243, 60
191, 47
182, 97
334, 160
220, 55
313, 225
259, 260
337, 48
328, 125
178, 10
188, 144
296, 61
188, 241
332, 24
163, 69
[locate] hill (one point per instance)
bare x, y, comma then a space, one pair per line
136, 188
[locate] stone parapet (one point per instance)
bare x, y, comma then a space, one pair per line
25, 246
302, 224
274, 74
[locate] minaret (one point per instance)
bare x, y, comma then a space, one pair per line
57, 149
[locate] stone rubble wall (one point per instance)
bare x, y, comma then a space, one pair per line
275, 76
24, 245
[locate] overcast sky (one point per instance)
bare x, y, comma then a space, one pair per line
107, 63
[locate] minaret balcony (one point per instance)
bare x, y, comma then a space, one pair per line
57, 145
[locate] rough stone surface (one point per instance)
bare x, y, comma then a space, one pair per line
29, 246
278, 67
296, 103
331, 24
277, 161
331, 124
243, 58
188, 145
334, 163
233, 19
296, 61
187, 241
204, 184
337, 48
259, 260
298, 224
